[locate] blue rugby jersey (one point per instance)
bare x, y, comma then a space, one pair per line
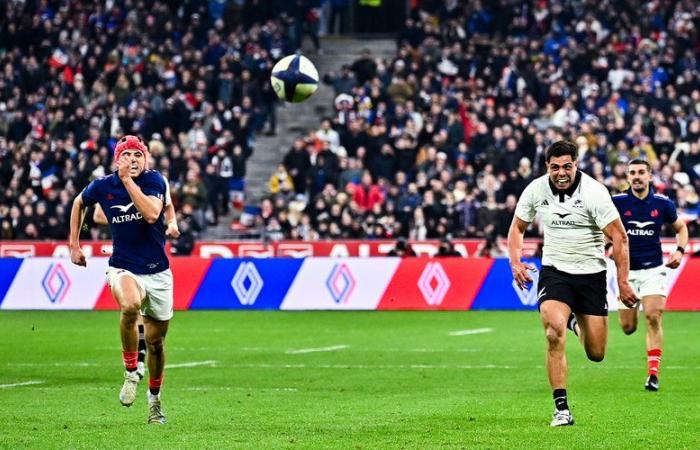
643, 219
139, 247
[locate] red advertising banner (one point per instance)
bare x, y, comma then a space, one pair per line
438, 283
685, 292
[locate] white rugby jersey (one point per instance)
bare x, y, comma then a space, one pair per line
572, 222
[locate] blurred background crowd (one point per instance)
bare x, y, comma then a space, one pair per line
441, 139
437, 141
190, 77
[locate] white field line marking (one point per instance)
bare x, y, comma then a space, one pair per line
198, 388
361, 367
474, 331
397, 350
24, 383
431, 350
315, 350
56, 364
368, 366
191, 364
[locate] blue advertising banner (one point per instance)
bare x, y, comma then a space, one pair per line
246, 283
8, 270
499, 291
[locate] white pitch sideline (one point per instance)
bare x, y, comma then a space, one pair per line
24, 383
472, 331
314, 350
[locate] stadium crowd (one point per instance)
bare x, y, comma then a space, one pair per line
190, 77
441, 139
437, 141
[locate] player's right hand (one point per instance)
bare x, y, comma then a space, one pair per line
627, 295
123, 168
520, 273
77, 257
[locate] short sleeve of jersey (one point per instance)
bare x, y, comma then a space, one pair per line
90, 194
168, 200
604, 210
155, 185
671, 215
526, 204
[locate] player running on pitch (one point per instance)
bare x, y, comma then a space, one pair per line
138, 274
172, 231
643, 213
576, 212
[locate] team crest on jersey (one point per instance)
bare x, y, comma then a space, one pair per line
578, 203
654, 213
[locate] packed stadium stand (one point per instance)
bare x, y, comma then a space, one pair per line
441, 138
436, 139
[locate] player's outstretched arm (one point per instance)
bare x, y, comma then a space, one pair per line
77, 214
515, 251
99, 216
681, 230
149, 206
615, 232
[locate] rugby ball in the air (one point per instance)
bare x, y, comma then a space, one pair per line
294, 78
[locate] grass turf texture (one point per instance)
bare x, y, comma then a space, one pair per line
401, 382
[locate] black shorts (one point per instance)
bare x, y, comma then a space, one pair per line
585, 294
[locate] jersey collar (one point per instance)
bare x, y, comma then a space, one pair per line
646, 199
569, 191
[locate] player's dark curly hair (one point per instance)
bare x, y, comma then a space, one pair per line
562, 148
640, 161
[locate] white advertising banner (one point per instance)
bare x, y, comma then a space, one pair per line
340, 283
56, 283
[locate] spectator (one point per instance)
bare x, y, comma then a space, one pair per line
447, 249
281, 182
402, 249
367, 194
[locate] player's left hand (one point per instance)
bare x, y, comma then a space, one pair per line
675, 260
172, 231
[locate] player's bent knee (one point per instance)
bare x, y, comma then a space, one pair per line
555, 335
131, 308
595, 355
629, 328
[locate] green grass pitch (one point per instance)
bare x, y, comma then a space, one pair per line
376, 380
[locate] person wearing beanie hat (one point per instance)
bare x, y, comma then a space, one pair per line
139, 276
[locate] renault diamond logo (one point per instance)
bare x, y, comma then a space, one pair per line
247, 283
433, 283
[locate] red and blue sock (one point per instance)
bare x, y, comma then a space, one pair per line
653, 361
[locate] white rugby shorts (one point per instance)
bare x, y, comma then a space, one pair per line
647, 282
156, 289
